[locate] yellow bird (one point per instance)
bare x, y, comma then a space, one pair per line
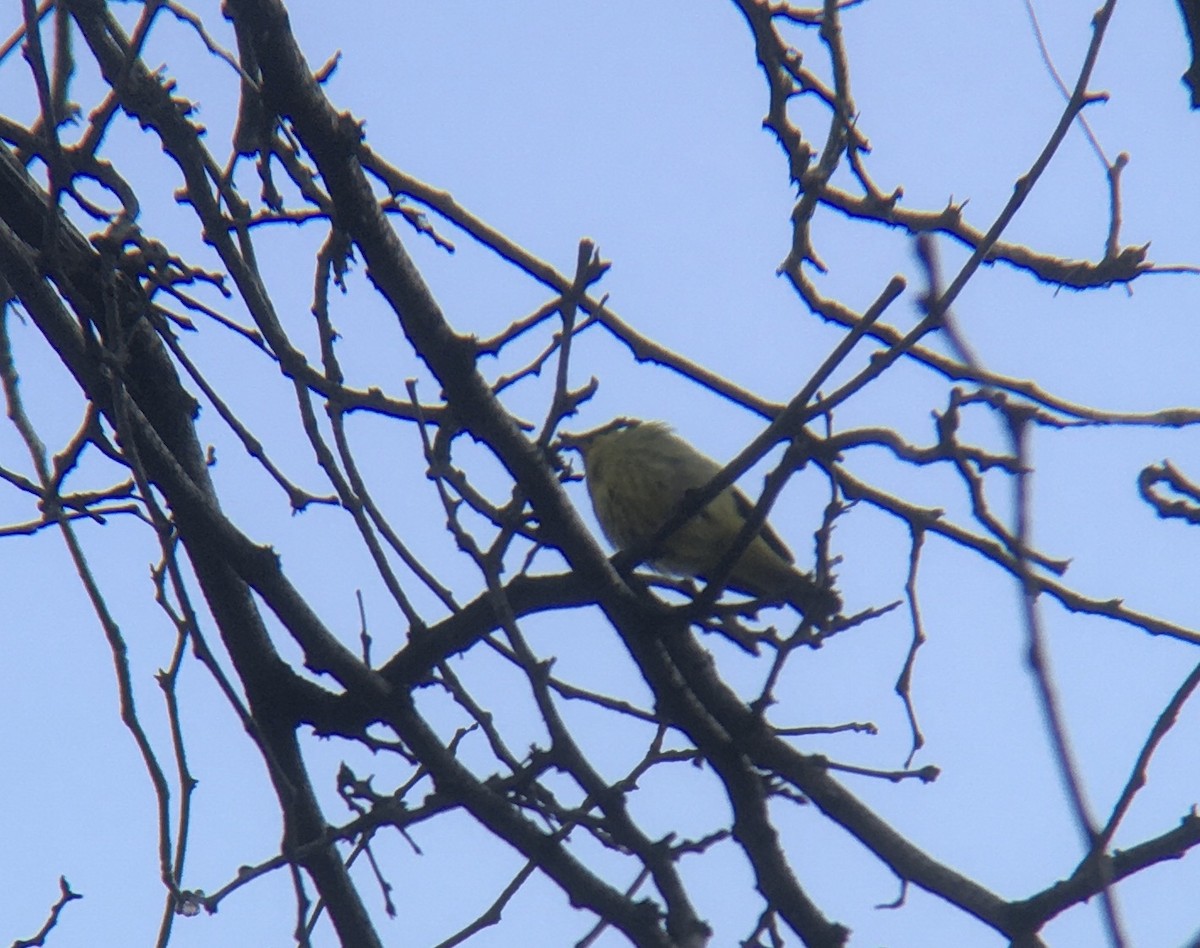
640, 472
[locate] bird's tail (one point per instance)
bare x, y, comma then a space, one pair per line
818, 603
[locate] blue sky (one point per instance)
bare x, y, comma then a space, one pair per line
639, 126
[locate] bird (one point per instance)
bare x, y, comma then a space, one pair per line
639, 473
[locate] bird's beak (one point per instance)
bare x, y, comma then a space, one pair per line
573, 442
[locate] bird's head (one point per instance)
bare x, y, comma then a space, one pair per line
583, 441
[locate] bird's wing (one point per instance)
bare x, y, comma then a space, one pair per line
744, 507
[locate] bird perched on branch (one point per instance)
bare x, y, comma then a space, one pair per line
639, 473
